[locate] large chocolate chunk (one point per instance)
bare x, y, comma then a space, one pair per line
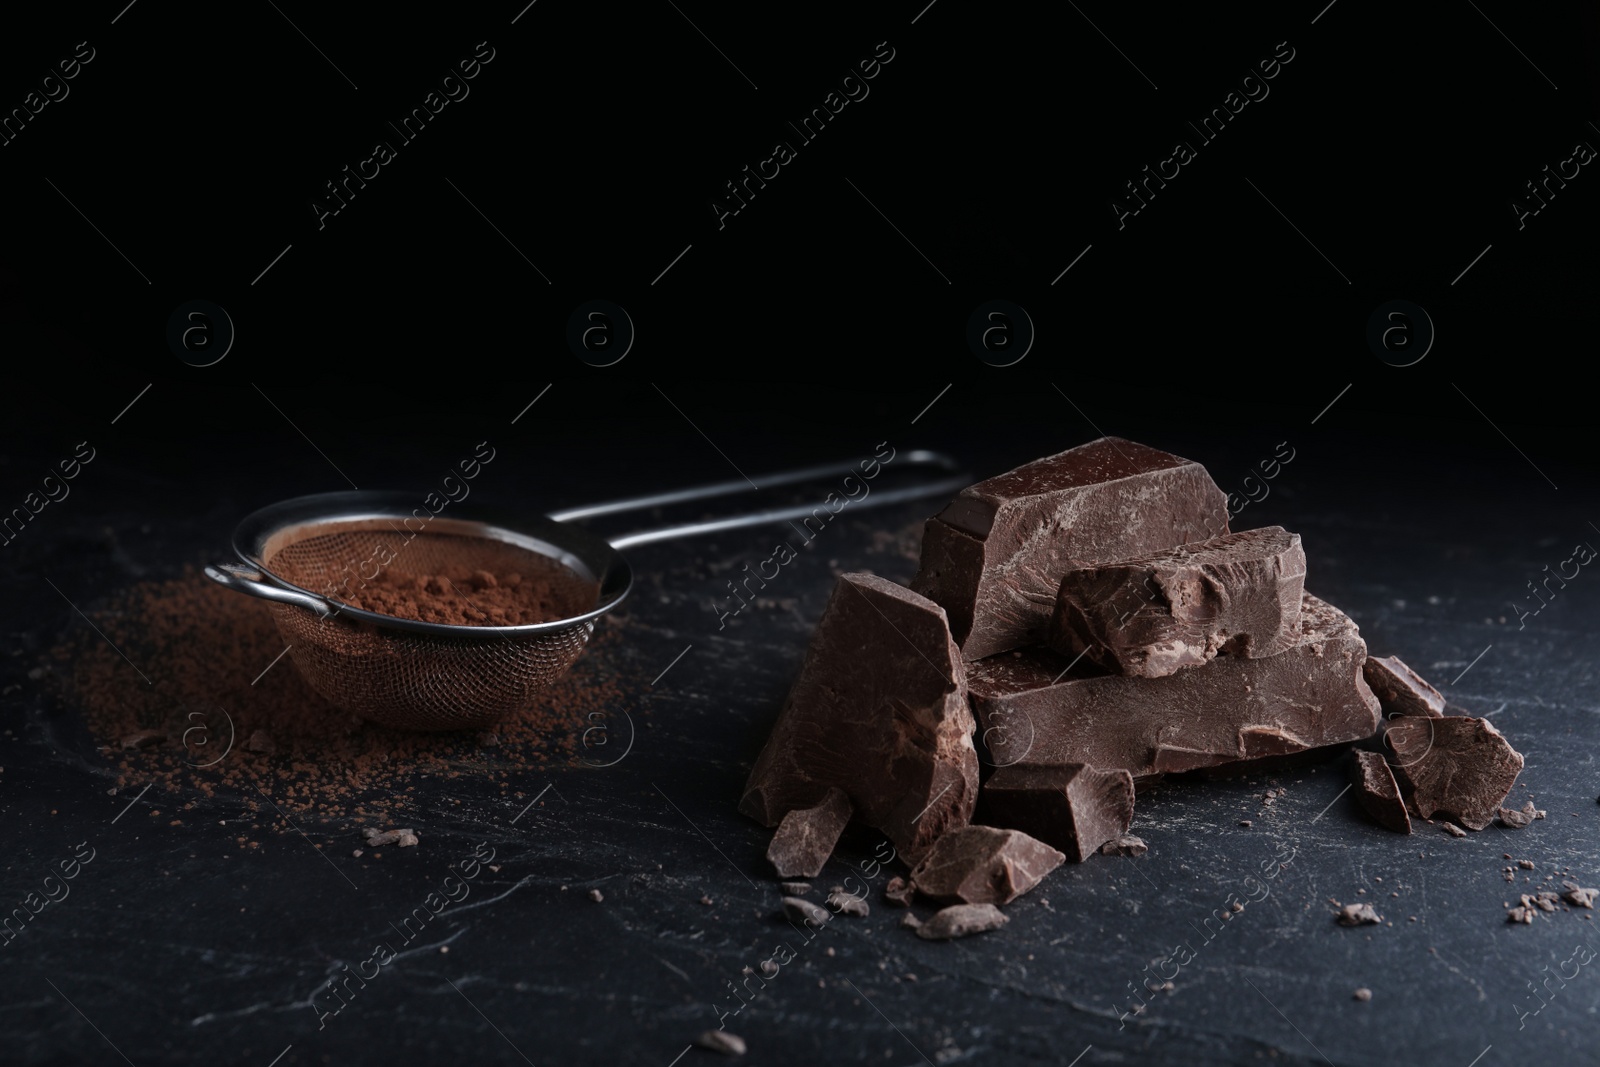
806, 836
961, 920
1454, 765
1068, 806
994, 557
1401, 690
880, 711
1238, 594
1378, 792
983, 865
1311, 694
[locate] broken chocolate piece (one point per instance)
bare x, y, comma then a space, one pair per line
995, 556
1069, 806
1401, 690
1516, 820
1378, 792
847, 904
983, 865
1454, 831
1519, 915
404, 838
1545, 901
1358, 915
1363, 994
1238, 594
898, 892
1454, 765
1230, 709
879, 710
804, 911
1124, 845
729, 1044
806, 836
1576, 894
261, 742
961, 920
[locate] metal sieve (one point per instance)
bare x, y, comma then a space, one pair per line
415, 675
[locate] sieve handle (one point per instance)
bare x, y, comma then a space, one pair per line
243, 579
954, 480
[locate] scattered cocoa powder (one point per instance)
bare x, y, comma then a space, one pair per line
206, 652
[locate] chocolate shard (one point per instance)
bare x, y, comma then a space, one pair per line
898, 892
995, 556
800, 910
880, 711
1515, 820
806, 836
1069, 806
1378, 792
1358, 915
1310, 695
1455, 765
1125, 845
983, 865
1401, 690
961, 920
1149, 617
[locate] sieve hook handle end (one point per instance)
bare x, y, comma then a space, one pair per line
245, 579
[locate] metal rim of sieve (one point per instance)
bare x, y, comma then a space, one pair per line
263, 531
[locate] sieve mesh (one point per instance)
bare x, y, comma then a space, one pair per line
448, 679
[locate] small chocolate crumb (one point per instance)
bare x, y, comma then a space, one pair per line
1453, 830
1575, 894
847, 904
261, 742
795, 889
898, 892
962, 920
910, 921
1125, 845
800, 910
1516, 820
1245, 823
729, 1044
1363, 994
1526, 865
1358, 915
144, 739
1519, 915
707, 901
596, 896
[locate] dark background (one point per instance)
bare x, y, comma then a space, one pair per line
807, 329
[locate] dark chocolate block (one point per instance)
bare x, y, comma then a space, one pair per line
1378, 792
1238, 594
1454, 765
1309, 695
880, 711
1068, 806
994, 557
983, 865
1401, 690
806, 836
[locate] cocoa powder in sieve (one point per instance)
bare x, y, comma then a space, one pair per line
462, 597
201, 646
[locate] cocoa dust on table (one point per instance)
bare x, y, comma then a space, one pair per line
204, 650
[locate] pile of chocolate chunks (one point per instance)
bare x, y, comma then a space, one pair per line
1089, 621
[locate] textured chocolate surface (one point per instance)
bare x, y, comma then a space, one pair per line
1069, 806
880, 711
1309, 695
1401, 690
806, 836
1154, 615
995, 556
1455, 765
1378, 793
983, 865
